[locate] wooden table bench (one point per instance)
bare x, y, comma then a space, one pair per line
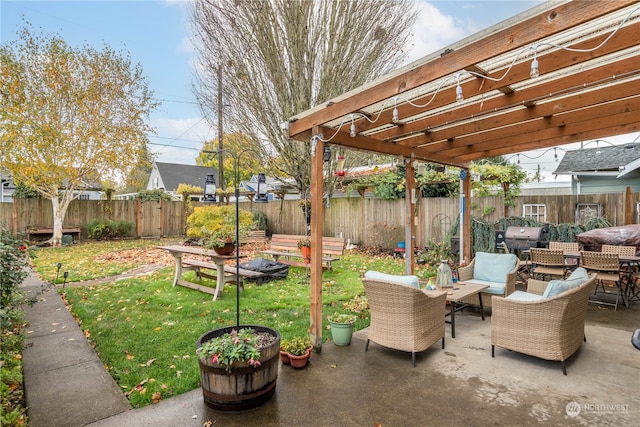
255, 238
217, 264
284, 247
38, 231
229, 271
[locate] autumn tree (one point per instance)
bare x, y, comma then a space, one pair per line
236, 146
69, 117
279, 57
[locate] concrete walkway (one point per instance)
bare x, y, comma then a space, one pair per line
66, 384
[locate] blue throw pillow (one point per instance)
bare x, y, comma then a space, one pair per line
556, 287
405, 280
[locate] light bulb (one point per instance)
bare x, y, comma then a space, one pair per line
534, 69
394, 119
459, 95
353, 128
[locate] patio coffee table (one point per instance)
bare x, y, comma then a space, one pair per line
456, 294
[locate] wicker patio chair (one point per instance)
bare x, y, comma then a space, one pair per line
607, 265
550, 328
548, 262
404, 317
467, 273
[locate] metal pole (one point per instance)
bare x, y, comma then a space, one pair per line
237, 194
220, 133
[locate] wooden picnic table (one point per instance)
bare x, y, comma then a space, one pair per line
224, 273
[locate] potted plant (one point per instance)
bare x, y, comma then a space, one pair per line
215, 226
305, 248
341, 327
238, 366
297, 350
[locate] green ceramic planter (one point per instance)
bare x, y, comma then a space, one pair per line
341, 333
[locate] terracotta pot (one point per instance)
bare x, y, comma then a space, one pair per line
306, 253
227, 249
300, 362
284, 357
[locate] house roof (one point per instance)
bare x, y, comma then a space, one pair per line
613, 159
588, 87
174, 174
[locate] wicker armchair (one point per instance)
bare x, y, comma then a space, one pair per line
550, 328
404, 317
467, 274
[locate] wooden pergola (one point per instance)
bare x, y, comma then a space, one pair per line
588, 57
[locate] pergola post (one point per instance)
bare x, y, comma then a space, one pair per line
410, 207
317, 221
465, 240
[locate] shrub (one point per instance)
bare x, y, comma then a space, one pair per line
13, 271
105, 230
216, 225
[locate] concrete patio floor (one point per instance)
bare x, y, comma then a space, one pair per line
461, 385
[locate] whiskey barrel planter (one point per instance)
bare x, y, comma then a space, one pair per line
245, 387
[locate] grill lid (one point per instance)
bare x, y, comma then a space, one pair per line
524, 233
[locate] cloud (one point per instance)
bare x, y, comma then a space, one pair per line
434, 30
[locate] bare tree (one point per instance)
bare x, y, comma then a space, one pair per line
281, 57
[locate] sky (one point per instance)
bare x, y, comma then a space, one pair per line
157, 34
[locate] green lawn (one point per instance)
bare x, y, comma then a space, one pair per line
145, 330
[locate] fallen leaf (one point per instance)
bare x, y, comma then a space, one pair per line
155, 397
163, 387
157, 329
129, 355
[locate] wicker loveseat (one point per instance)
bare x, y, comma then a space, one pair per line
534, 323
404, 317
493, 269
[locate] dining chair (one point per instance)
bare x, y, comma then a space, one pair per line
620, 250
607, 266
629, 272
565, 246
571, 263
547, 262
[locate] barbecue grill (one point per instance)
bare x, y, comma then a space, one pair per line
520, 238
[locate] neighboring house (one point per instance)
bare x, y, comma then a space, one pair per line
168, 176
7, 187
599, 170
273, 186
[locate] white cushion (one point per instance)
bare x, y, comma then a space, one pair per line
524, 296
405, 280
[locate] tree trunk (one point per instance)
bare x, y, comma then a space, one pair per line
59, 212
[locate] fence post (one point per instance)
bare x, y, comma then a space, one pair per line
139, 217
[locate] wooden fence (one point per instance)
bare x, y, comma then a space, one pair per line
370, 222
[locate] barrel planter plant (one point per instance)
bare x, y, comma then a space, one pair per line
238, 366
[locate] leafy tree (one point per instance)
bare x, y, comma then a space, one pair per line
496, 172
234, 144
279, 58
24, 192
69, 116
138, 176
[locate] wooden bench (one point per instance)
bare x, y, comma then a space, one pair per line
255, 238
229, 271
38, 231
285, 246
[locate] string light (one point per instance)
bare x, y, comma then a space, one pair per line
394, 117
534, 64
535, 72
459, 96
353, 127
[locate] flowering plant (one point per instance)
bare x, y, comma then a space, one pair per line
236, 346
305, 243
